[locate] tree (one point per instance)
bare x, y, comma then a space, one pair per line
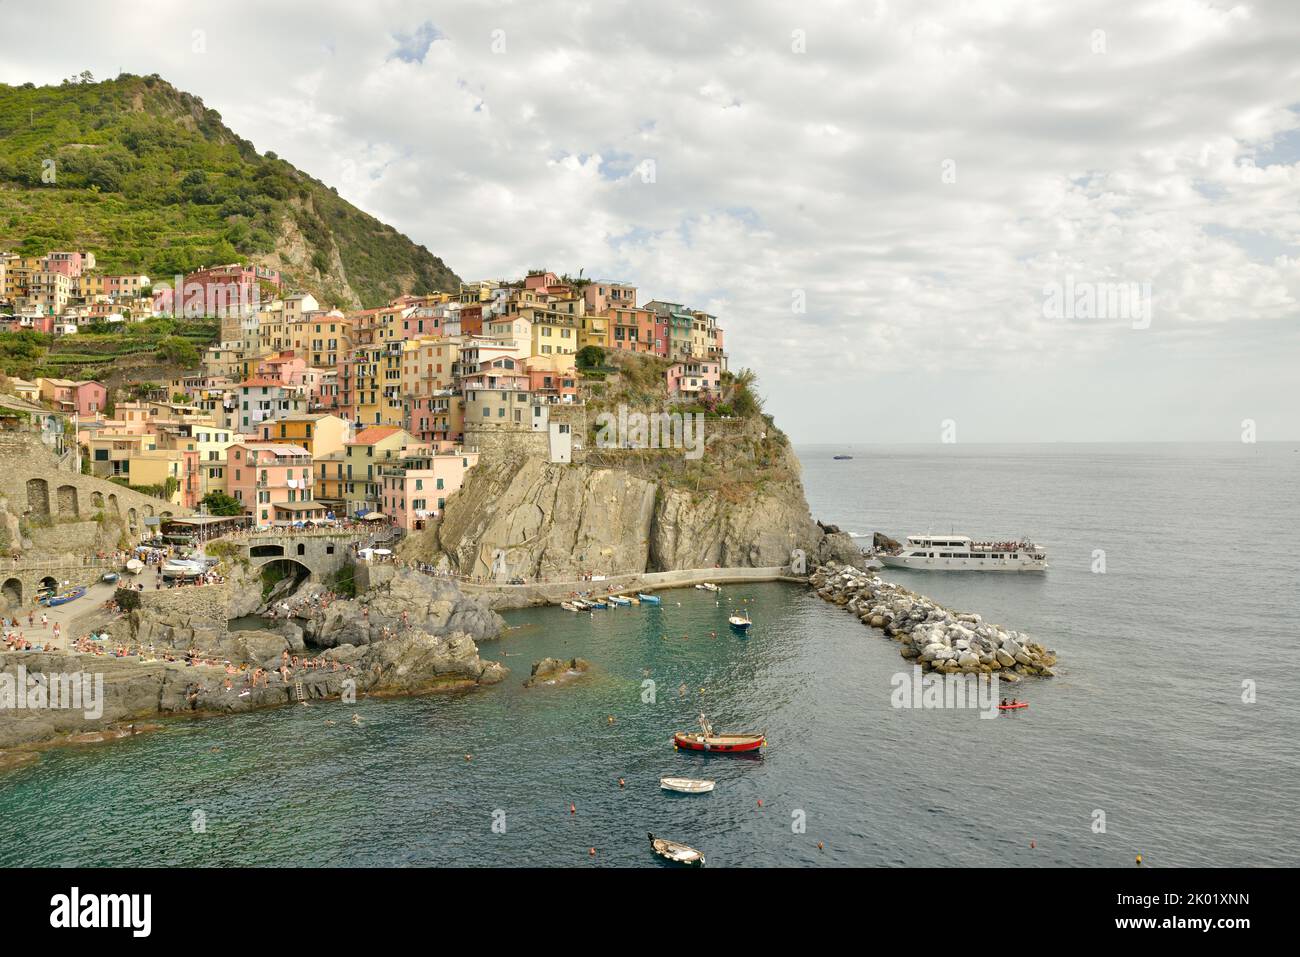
219, 503
178, 350
590, 357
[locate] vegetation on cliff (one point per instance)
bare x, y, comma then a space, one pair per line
115, 353
150, 180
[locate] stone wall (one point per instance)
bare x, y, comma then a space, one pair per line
64, 511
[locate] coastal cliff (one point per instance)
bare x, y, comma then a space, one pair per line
621, 511
377, 651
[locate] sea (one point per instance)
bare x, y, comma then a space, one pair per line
1171, 730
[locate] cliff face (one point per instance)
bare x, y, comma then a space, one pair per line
519, 515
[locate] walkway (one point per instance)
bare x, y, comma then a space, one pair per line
501, 596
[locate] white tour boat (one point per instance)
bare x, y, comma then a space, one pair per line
957, 553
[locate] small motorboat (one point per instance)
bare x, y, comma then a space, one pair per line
649, 599
686, 785
1013, 706
619, 600
676, 852
108, 578
579, 605
135, 566
841, 458
740, 622
708, 586
633, 599
568, 606
64, 597
709, 740
597, 604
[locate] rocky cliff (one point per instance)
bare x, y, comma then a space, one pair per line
625, 511
377, 650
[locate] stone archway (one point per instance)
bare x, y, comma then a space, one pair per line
265, 551
12, 590
112, 503
97, 500
38, 496
67, 501
132, 520
49, 581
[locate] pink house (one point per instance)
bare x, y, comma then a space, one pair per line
85, 399
274, 481
541, 280
284, 368
690, 379
417, 487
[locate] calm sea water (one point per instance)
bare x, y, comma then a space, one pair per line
1145, 722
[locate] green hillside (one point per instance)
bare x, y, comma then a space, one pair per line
150, 180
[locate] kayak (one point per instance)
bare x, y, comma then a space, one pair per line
1013, 707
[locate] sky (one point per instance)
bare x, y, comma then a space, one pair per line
917, 222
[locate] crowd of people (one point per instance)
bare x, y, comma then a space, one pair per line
247, 674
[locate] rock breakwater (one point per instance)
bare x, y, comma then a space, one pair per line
930, 635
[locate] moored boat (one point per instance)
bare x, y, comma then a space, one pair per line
686, 785
676, 852
64, 597
1013, 706
741, 623
568, 606
619, 600
709, 740
649, 599
708, 586
959, 553
579, 605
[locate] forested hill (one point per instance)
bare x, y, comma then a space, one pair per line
152, 181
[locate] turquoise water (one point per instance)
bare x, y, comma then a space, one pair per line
1145, 722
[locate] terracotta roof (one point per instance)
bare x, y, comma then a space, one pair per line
375, 433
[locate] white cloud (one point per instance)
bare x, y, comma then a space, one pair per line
1169, 158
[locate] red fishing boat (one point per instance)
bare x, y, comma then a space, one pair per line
706, 739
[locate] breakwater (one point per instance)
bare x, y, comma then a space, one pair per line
930, 635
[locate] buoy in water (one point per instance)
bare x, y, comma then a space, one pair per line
1139, 860
573, 808
622, 783
591, 852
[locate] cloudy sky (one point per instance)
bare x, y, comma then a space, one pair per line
899, 211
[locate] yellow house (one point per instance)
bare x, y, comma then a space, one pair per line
319, 433
155, 467
330, 486
111, 452
428, 365
373, 447
594, 331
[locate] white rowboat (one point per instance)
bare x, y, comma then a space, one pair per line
686, 785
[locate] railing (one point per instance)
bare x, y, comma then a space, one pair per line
52, 564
